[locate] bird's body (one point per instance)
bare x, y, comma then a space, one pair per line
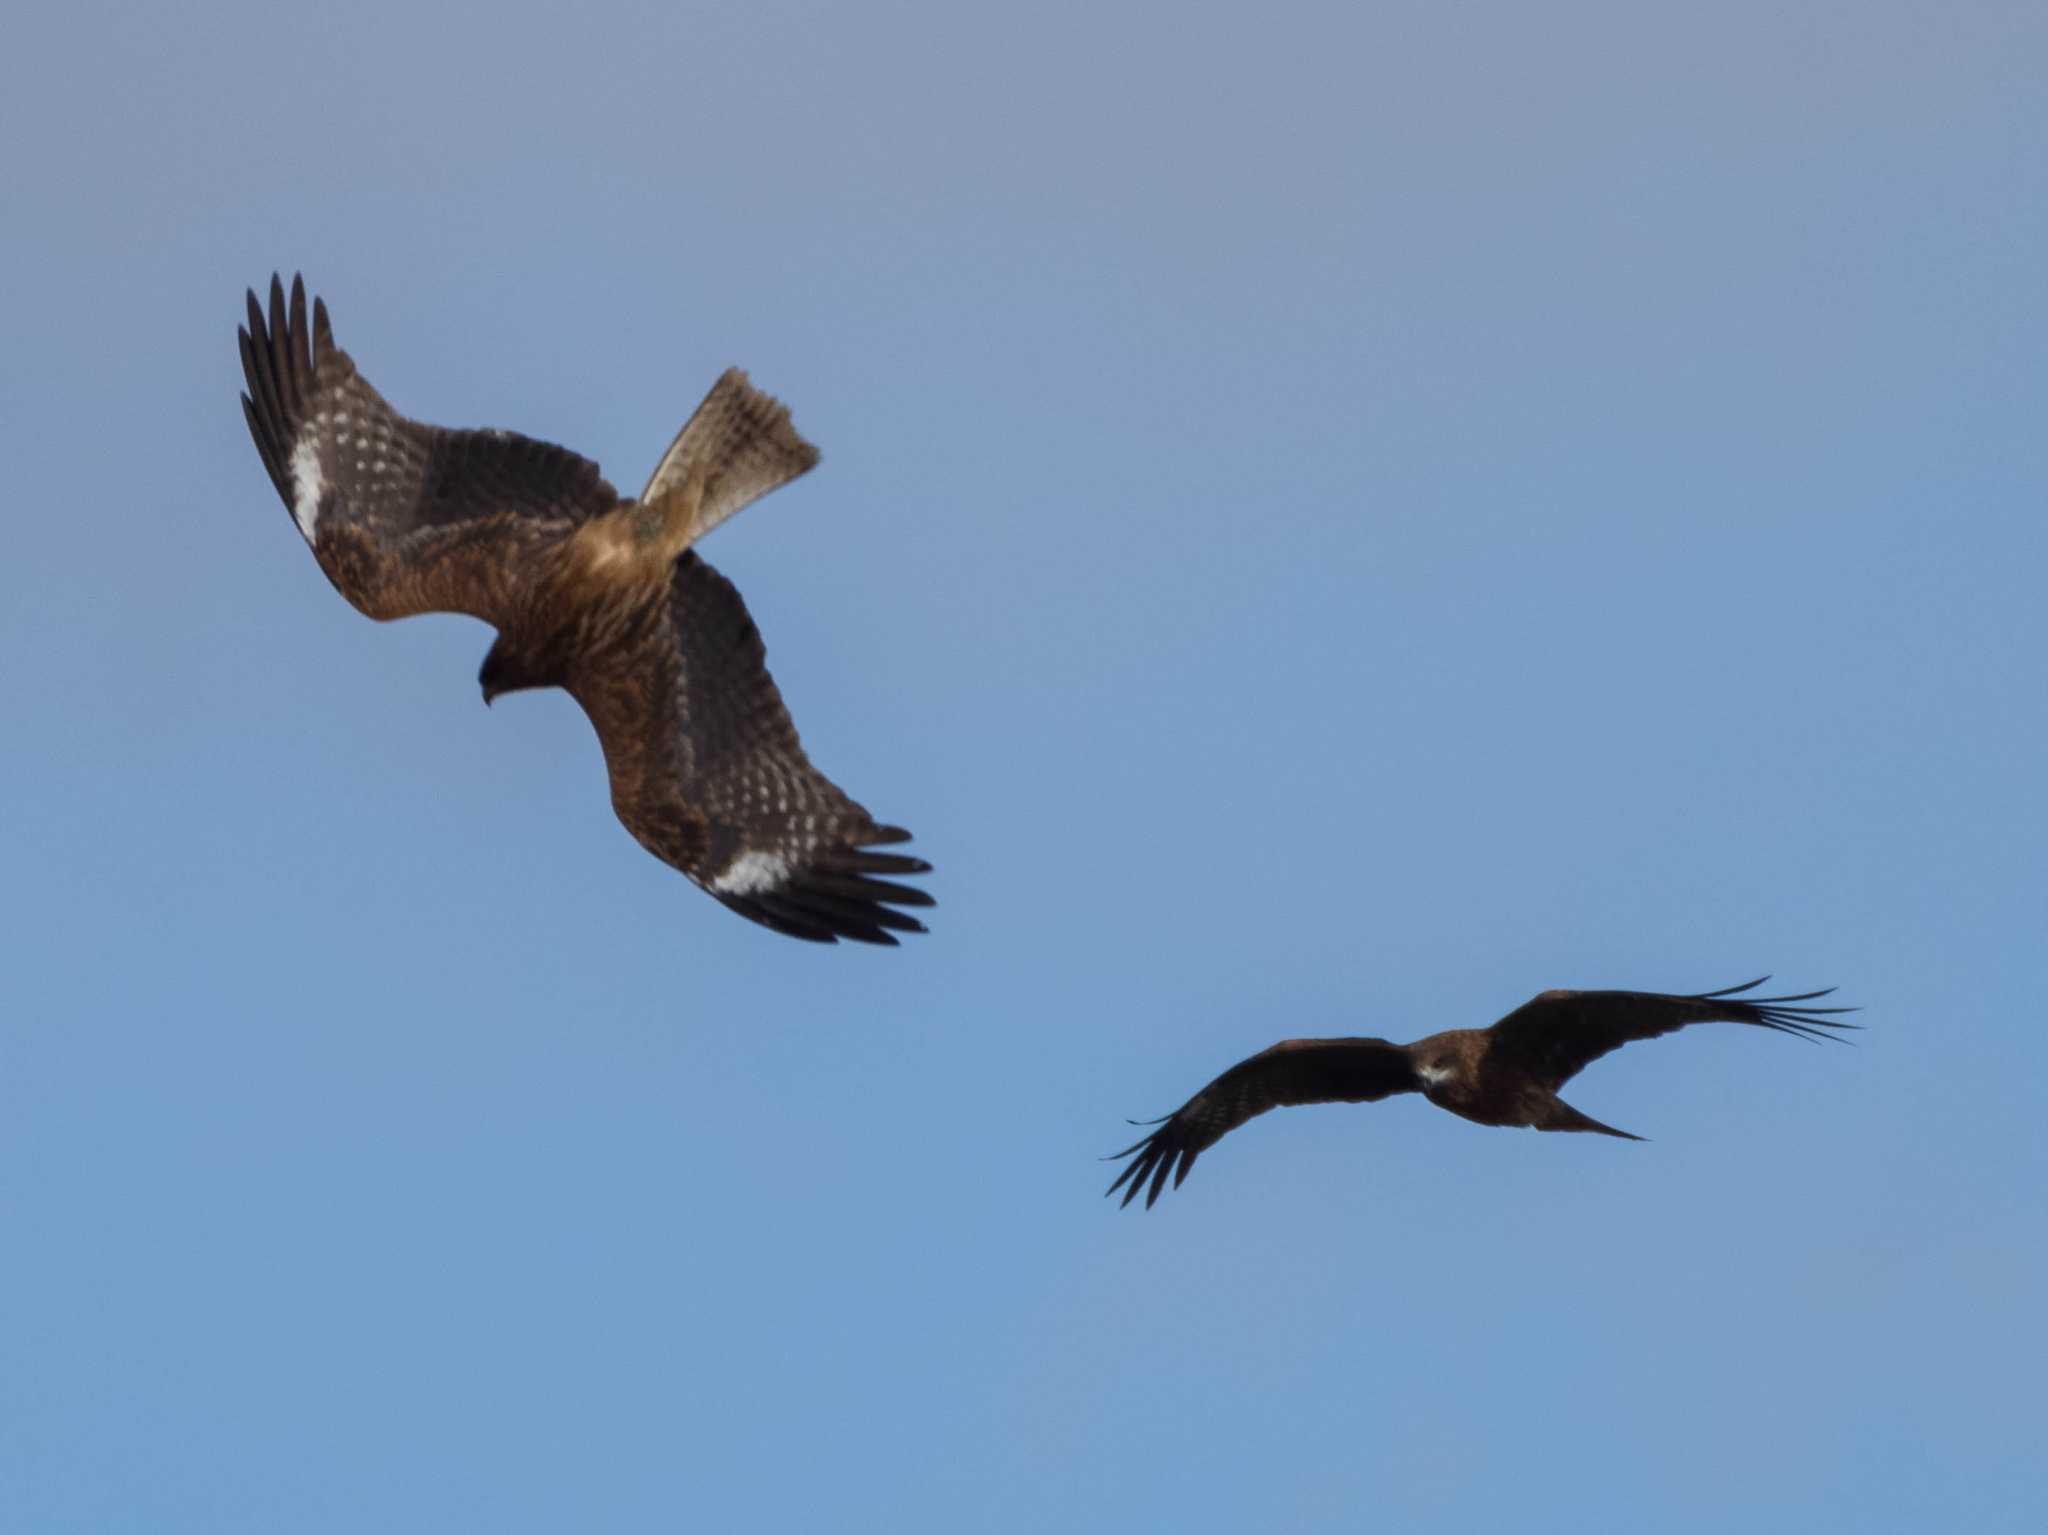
1506, 1075
1461, 1071
1452, 1072
601, 596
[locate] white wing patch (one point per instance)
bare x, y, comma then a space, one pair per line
308, 485
751, 872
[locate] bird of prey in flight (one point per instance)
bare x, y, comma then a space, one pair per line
601, 596
1506, 1075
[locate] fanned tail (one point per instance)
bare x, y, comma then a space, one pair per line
739, 445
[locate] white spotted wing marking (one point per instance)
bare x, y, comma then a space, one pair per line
308, 485
751, 872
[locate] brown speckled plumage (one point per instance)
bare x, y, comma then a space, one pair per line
595, 594
1505, 1075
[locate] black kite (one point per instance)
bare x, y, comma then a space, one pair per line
1506, 1075
598, 595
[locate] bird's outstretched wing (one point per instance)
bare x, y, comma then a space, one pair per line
707, 772
404, 517
1292, 1072
1554, 1036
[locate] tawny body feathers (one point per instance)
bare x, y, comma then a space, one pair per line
598, 595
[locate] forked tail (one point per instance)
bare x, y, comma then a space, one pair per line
1562, 1116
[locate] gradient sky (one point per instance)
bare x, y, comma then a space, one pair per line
1333, 519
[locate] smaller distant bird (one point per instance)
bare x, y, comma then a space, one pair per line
1506, 1075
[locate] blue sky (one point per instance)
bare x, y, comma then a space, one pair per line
1333, 519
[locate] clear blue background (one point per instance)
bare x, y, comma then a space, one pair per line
1334, 519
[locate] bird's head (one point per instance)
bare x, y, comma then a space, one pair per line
505, 670
1435, 1067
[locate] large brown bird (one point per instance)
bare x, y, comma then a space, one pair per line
1506, 1075
598, 595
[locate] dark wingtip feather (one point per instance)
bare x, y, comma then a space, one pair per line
299, 349
1730, 991
836, 894
1806, 1022
1124, 1177
860, 887
278, 367
848, 858
834, 898
754, 912
1785, 1014
1161, 1166
1140, 1169
257, 367
264, 451
1134, 1145
1152, 1159
280, 347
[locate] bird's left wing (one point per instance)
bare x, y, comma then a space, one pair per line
1292, 1072
404, 517
707, 772
1556, 1035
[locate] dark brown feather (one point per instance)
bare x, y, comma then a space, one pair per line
1551, 1038
1506, 1075
1295, 1071
707, 772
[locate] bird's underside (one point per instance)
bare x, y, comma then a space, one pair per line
601, 596
1508, 1074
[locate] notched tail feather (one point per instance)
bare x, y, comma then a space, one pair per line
739, 445
1563, 1116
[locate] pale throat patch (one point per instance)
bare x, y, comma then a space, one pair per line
751, 872
308, 486
1433, 1074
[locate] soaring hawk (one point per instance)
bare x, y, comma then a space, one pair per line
1506, 1075
601, 596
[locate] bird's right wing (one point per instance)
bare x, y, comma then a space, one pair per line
1295, 1071
404, 517
1557, 1034
707, 773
